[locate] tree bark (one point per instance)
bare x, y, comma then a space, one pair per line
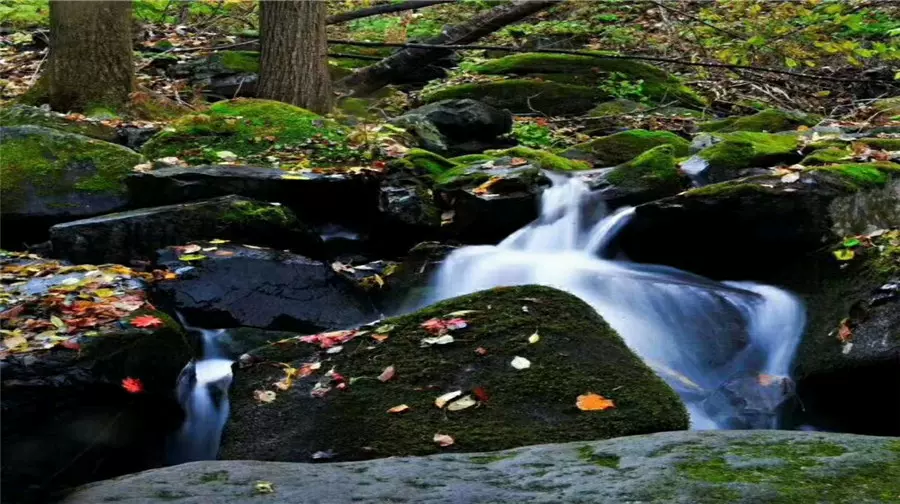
373, 77
294, 54
90, 61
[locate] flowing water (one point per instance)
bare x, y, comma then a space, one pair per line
725, 347
203, 393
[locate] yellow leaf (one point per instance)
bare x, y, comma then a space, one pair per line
534, 338
442, 401
486, 187
56, 321
217, 241
264, 487
104, 293
593, 402
843, 254
14, 341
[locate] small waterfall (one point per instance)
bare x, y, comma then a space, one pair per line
202, 391
724, 347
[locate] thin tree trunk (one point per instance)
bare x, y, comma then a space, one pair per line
91, 61
294, 54
373, 77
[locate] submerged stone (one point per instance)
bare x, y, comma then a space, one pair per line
577, 353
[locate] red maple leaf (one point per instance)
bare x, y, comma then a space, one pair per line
71, 344
133, 385
146, 321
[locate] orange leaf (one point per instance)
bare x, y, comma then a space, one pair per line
379, 337
486, 187
399, 409
133, 385
146, 321
593, 402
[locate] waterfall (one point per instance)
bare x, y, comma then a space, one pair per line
202, 391
725, 347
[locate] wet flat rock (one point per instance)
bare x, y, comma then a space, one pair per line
677, 467
236, 285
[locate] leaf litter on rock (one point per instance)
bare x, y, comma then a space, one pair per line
590, 401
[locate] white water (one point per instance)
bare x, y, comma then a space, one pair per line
710, 341
203, 393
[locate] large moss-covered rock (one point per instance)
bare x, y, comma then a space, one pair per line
705, 467
541, 159
656, 84
137, 234
826, 156
622, 147
48, 176
770, 120
653, 174
25, 115
735, 152
70, 337
249, 128
459, 126
577, 352
523, 95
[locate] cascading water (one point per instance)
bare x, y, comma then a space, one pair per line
203, 393
724, 347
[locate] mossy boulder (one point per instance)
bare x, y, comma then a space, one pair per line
826, 156
24, 115
48, 176
137, 234
653, 174
770, 120
622, 147
577, 352
459, 126
523, 95
742, 150
888, 144
425, 162
541, 159
656, 84
251, 129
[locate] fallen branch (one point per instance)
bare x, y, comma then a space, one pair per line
459, 47
382, 9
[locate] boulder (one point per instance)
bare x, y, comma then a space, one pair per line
247, 129
622, 147
457, 126
654, 83
522, 95
315, 197
71, 335
49, 176
651, 175
770, 120
26, 115
682, 467
409, 205
137, 234
733, 155
344, 410
236, 285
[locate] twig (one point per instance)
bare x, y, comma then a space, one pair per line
355, 56
382, 9
37, 70
472, 47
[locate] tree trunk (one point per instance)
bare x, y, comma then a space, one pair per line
90, 54
294, 54
371, 78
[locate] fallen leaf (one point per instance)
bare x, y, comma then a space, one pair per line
851, 242
520, 363
146, 322
334, 349
189, 249
845, 334
485, 188
104, 293
218, 241
534, 338
443, 440
224, 253
442, 401
843, 254
56, 321
191, 257
462, 403
399, 409
379, 337
790, 178
387, 374
264, 396
481, 351
481, 394
294, 176
517, 161
440, 340
71, 344
386, 328
226, 155
593, 402
460, 313
264, 487
133, 385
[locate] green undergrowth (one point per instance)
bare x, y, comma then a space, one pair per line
577, 352
252, 129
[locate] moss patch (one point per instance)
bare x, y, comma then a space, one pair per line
470, 159
22, 115
654, 170
748, 150
247, 212
617, 107
587, 454
862, 175
542, 159
428, 162
47, 162
771, 120
888, 144
826, 156
252, 129
657, 83
578, 352
523, 95
622, 147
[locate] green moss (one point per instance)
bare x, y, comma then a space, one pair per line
430, 162
728, 189
862, 175
23, 115
214, 477
542, 159
470, 159
242, 212
523, 95
55, 163
826, 156
653, 170
239, 61
587, 454
617, 107
749, 149
771, 120
578, 352
888, 144
657, 83
250, 128
622, 147
490, 459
